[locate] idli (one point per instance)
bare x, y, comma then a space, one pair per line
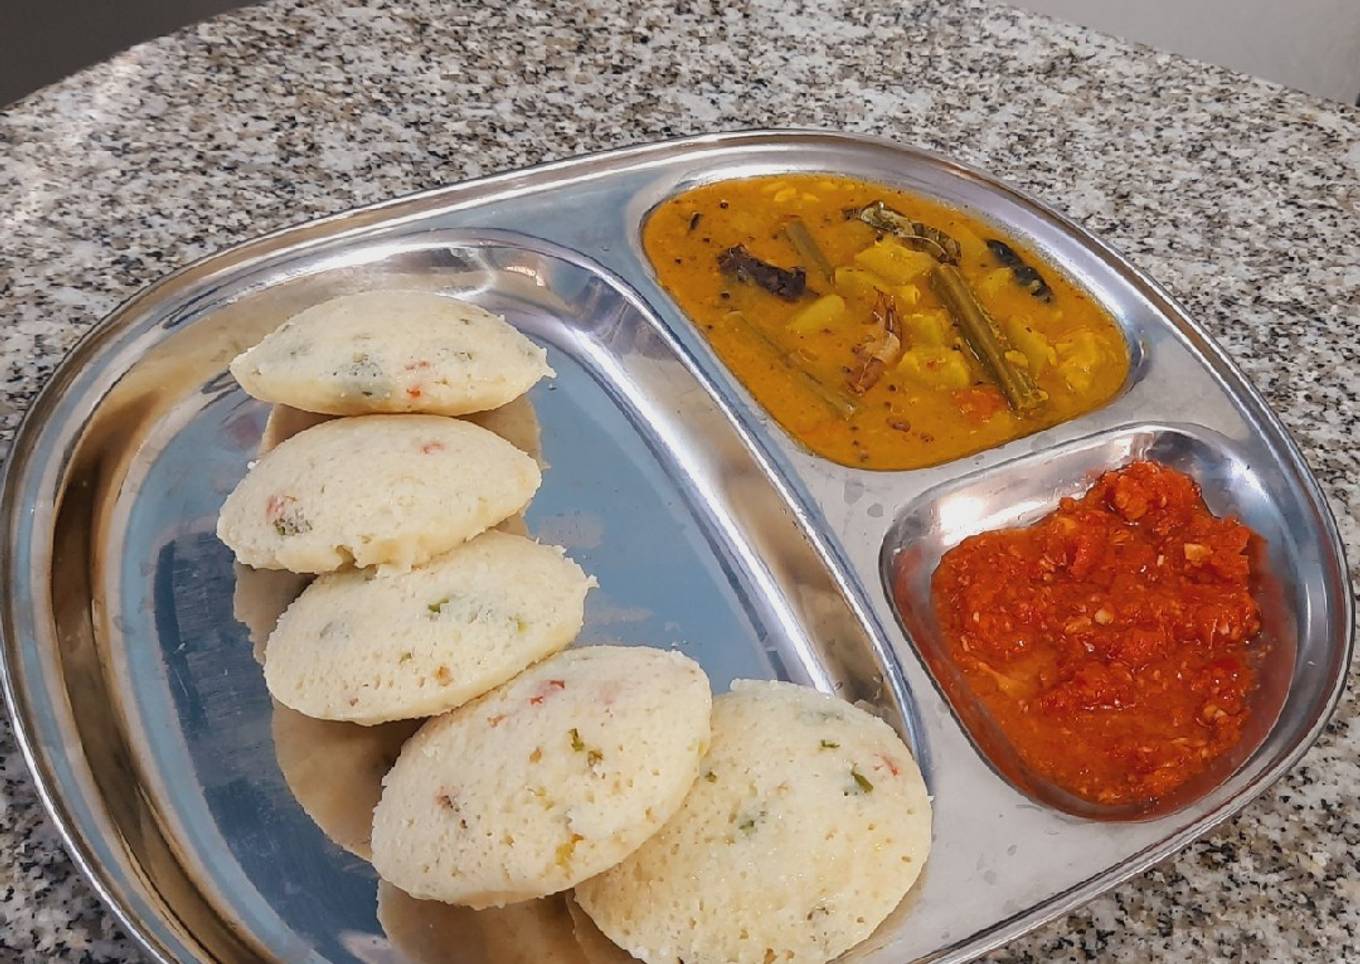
391, 490
369, 646
546, 781
807, 826
392, 352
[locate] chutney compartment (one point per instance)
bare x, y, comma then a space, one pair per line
1020, 492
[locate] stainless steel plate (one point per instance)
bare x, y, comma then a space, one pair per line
146, 720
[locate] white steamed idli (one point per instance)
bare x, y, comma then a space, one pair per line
368, 646
546, 781
391, 490
392, 352
807, 826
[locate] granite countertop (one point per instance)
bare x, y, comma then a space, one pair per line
1242, 197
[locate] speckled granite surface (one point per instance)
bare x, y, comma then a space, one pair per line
1241, 197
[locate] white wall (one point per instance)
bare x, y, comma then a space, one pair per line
1313, 45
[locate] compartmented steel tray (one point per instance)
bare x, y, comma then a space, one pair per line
147, 723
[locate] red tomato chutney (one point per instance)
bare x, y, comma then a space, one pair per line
1112, 641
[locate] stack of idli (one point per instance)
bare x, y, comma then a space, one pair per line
417, 605
430, 717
